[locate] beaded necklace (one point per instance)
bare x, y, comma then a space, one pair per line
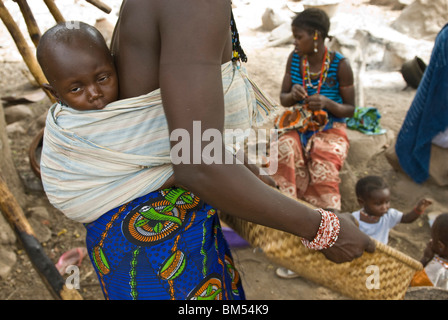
442, 261
368, 218
306, 74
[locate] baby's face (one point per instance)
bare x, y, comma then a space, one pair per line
84, 79
377, 203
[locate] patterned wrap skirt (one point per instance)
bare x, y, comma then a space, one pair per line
311, 172
167, 244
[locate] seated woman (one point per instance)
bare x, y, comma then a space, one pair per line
318, 84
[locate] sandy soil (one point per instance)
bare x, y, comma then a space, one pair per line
383, 90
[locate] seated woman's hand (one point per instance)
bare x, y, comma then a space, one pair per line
316, 102
298, 92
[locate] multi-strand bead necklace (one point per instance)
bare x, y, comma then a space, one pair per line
306, 74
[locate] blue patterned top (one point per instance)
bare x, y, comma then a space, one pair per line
330, 88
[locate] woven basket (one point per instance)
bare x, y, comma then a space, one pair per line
350, 278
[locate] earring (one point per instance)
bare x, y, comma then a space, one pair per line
315, 41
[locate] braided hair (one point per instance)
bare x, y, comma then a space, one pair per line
312, 19
237, 51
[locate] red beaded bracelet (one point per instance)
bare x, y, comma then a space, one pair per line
327, 234
418, 212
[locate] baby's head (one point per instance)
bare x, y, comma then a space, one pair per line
78, 66
373, 195
439, 235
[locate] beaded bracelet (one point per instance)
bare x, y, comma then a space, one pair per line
328, 232
417, 211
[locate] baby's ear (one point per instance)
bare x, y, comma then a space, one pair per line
50, 89
441, 247
360, 201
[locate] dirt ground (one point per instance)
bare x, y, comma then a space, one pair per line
385, 91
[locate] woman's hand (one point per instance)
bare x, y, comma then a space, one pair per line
298, 93
351, 242
317, 102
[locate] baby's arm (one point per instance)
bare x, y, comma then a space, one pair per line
417, 211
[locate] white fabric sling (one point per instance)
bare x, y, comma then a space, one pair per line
94, 161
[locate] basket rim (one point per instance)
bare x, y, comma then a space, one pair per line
413, 263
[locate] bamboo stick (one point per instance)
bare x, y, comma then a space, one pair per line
46, 269
57, 15
100, 5
27, 54
31, 23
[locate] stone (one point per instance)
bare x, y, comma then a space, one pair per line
394, 4
270, 20
17, 113
281, 35
7, 235
42, 232
422, 19
363, 147
7, 260
426, 293
15, 128
438, 170
39, 212
349, 202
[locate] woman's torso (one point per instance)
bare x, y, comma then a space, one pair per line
330, 88
136, 49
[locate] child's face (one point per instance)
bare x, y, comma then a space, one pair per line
303, 41
377, 203
84, 79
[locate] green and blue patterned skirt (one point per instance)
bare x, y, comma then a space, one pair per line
165, 245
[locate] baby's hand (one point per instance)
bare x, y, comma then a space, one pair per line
422, 205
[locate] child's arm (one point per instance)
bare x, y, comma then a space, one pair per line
417, 211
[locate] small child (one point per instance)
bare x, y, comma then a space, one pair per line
376, 217
78, 66
435, 257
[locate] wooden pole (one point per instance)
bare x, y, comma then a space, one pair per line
100, 5
46, 269
27, 54
31, 23
57, 15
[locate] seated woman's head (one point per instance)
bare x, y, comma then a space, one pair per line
310, 27
78, 66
